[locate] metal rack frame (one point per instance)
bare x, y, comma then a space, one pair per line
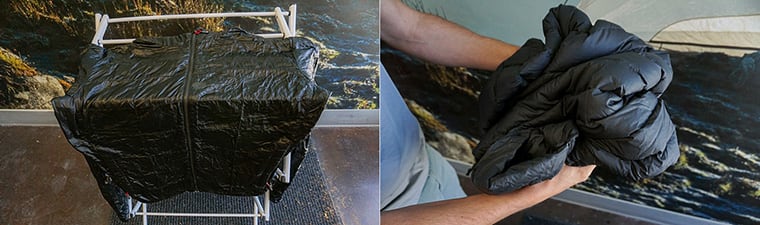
287, 29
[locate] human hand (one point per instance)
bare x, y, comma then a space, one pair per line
566, 178
572, 175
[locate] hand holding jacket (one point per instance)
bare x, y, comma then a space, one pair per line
589, 95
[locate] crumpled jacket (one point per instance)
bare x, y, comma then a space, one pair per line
590, 95
211, 112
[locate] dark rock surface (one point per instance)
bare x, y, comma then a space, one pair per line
23, 87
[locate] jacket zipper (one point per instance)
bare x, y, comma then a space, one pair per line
188, 78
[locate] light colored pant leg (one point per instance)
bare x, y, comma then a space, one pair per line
442, 182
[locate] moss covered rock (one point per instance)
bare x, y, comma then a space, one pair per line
23, 87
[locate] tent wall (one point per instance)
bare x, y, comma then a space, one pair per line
516, 21
510, 21
646, 17
735, 36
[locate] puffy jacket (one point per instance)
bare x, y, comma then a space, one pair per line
212, 112
590, 95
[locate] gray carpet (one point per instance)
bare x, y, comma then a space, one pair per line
306, 201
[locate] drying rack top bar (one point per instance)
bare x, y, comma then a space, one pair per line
287, 27
194, 16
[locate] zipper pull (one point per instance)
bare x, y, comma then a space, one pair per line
200, 30
108, 180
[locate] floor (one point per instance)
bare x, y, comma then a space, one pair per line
351, 169
45, 181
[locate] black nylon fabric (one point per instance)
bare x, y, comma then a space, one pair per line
590, 95
212, 112
297, 155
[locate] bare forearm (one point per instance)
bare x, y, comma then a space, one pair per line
439, 41
476, 209
487, 209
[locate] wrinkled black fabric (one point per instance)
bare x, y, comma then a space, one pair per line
590, 95
210, 112
297, 155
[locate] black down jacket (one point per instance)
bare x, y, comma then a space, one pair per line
212, 112
590, 95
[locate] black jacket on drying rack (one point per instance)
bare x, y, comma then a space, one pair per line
590, 95
211, 112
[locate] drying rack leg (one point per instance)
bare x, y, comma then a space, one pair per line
145, 213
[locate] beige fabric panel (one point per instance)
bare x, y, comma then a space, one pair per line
736, 39
647, 17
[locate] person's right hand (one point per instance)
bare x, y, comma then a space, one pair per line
566, 178
572, 175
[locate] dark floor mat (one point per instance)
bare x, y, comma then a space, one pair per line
305, 202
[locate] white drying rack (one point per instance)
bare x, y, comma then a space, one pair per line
287, 29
